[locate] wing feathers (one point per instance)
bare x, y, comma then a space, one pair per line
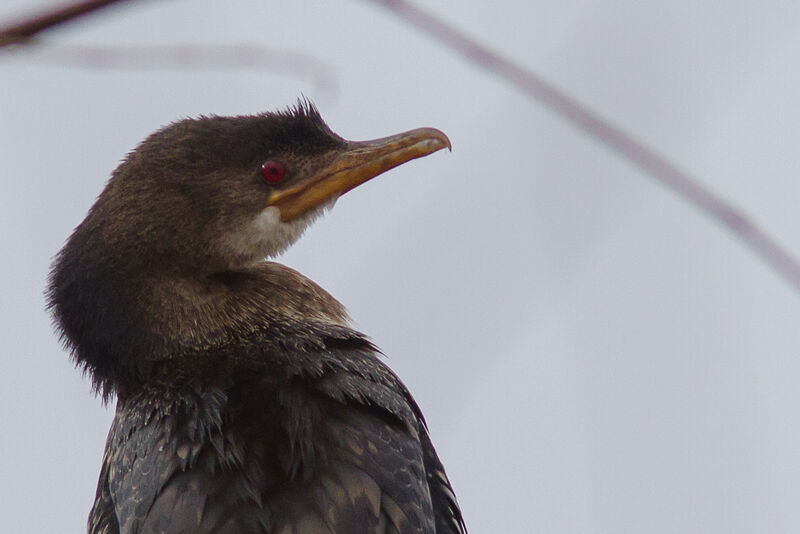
339, 448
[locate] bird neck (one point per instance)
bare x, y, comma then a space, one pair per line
123, 319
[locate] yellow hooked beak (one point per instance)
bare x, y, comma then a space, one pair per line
359, 162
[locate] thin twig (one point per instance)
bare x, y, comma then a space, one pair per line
191, 57
21, 31
580, 116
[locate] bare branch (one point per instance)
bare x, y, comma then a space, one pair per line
21, 31
658, 167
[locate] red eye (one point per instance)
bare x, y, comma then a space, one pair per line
273, 171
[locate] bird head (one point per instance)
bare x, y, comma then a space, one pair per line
222, 193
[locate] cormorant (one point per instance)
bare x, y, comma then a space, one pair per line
245, 400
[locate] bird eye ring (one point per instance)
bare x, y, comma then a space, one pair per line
273, 171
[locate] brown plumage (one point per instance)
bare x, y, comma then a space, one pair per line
245, 401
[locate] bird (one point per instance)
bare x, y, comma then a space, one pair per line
246, 402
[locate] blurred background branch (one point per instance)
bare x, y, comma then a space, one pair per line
192, 57
658, 167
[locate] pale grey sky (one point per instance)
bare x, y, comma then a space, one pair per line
592, 355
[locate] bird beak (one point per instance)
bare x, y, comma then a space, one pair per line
359, 162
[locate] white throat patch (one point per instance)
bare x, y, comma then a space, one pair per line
267, 236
